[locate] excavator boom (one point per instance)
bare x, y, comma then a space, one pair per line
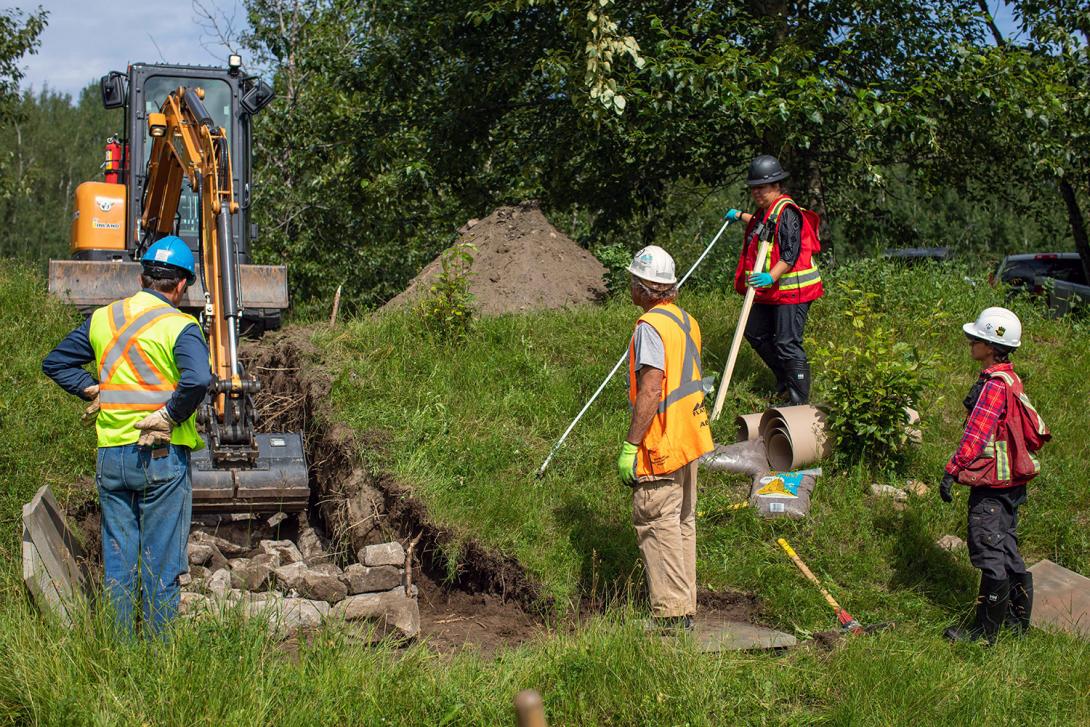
240, 469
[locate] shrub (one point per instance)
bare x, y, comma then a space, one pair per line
616, 257
867, 381
447, 311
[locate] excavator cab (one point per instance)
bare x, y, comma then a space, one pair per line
106, 239
183, 167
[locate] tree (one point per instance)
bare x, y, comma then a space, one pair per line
19, 33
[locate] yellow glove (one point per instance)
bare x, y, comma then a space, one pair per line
90, 414
156, 428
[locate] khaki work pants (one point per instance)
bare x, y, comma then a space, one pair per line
664, 513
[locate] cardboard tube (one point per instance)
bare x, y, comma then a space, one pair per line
802, 437
749, 427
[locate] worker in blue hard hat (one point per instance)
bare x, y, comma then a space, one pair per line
152, 367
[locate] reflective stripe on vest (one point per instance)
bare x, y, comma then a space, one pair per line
691, 381
134, 340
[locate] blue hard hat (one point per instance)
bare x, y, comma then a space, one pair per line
170, 255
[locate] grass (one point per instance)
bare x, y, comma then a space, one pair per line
469, 426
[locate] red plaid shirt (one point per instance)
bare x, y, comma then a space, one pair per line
982, 420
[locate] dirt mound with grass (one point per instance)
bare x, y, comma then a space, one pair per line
520, 263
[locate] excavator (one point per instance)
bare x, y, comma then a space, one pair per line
175, 172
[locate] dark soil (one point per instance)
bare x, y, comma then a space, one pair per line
520, 263
488, 603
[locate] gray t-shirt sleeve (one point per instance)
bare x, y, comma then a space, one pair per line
647, 347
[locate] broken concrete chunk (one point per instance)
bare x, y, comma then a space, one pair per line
361, 579
311, 544
382, 554
321, 587
205, 554
192, 603
390, 612
330, 569
184, 579
285, 549
896, 493
250, 575
276, 519
950, 542
198, 573
288, 576
225, 546
917, 488
219, 583
273, 561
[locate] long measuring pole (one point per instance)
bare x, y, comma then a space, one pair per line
620, 361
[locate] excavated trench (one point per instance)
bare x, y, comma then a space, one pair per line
484, 599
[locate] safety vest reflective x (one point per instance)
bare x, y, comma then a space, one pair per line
679, 432
133, 340
802, 283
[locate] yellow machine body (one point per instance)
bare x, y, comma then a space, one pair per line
99, 219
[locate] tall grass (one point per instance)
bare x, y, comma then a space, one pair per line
468, 427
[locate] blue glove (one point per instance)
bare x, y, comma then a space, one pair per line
626, 463
761, 280
733, 215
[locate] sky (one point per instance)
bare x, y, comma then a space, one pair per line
86, 38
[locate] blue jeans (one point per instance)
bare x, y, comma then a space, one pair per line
147, 506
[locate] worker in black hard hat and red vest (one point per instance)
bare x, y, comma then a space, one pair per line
786, 281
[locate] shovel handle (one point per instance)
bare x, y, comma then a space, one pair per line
810, 576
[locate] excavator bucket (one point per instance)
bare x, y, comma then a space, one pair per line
278, 482
94, 283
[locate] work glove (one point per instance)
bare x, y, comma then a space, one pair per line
626, 463
946, 487
156, 428
733, 215
90, 414
761, 280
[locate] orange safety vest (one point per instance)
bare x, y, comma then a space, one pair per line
1008, 458
679, 432
802, 283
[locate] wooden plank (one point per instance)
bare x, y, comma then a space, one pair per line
1061, 599
54, 567
43, 591
76, 557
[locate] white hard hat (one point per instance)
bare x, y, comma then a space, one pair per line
654, 265
996, 325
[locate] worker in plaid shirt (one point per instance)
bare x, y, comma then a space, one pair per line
982, 461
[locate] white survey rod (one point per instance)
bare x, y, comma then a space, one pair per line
736, 342
559, 442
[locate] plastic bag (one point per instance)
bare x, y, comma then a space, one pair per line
748, 458
782, 494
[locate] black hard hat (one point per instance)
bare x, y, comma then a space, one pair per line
765, 169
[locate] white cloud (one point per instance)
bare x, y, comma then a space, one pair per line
85, 39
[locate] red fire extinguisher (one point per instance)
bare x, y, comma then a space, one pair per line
117, 160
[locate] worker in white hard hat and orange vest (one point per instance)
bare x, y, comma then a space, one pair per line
668, 432
996, 459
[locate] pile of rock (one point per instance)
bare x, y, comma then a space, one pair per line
296, 584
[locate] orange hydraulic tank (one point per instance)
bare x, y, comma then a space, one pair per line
99, 220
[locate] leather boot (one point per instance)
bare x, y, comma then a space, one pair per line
991, 610
798, 382
1020, 605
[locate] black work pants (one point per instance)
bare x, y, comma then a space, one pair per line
993, 536
775, 331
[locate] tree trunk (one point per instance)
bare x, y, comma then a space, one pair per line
1078, 226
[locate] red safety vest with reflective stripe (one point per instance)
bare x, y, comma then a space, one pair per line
679, 432
133, 340
1008, 459
802, 283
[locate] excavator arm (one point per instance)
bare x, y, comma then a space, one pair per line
244, 467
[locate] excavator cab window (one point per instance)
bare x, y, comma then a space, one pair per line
217, 99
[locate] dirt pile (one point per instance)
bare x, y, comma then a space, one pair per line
521, 263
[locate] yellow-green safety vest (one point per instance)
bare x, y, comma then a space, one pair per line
134, 341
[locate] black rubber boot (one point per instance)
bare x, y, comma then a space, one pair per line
767, 351
798, 382
991, 611
1020, 605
